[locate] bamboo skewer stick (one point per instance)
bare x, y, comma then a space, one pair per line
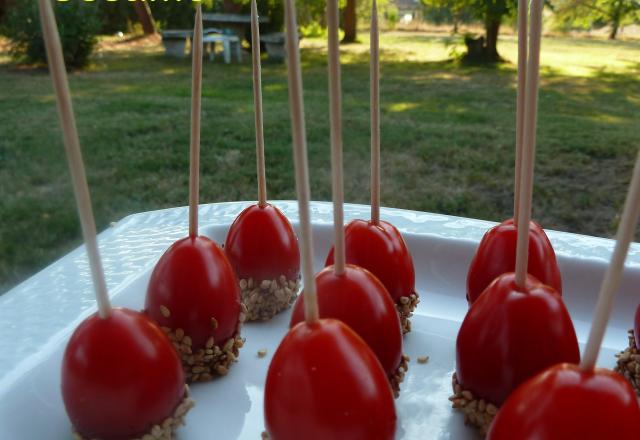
194, 151
529, 142
257, 102
335, 117
522, 75
74, 154
296, 107
613, 276
374, 68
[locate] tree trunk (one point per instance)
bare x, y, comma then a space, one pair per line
492, 28
144, 17
614, 31
616, 14
349, 22
231, 6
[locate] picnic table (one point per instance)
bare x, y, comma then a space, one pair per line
175, 42
238, 23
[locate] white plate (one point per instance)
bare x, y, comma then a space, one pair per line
35, 328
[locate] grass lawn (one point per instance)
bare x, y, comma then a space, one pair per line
447, 137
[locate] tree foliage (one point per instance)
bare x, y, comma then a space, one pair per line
589, 14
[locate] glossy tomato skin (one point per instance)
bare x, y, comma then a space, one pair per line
565, 402
262, 245
496, 254
361, 301
382, 251
511, 334
324, 382
637, 327
120, 376
195, 282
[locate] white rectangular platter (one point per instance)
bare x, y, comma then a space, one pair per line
37, 317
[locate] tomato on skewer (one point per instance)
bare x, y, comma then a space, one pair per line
324, 382
496, 254
121, 377
194, 296
360, 300
566, 402
382, 251
509, 335
263, 251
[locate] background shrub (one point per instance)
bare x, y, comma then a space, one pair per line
78, 25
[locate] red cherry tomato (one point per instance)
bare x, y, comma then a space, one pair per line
382, 251
496, 255
565, 402
120, 376
324, 382
262, 245
637, 327
359, 299
511, 334
194, 282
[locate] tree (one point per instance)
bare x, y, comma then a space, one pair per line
490, 13
349, 22
597, 13
144, 16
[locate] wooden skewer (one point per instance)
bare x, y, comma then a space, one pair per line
522, 75
529, 142
335, 117
257, 103
196, 96
374, 68
296, 107
613, 276
74, 154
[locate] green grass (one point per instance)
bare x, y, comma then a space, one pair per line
447, 137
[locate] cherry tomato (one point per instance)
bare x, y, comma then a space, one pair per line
496, 255
262, 245
637, 327
511, 334
120, 376
381, 250
324, 382
565, 402
360, 300
194, 282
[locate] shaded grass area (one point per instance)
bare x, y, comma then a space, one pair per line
447, 137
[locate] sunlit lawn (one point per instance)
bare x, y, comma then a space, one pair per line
447, 136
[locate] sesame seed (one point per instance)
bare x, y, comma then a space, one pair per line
165, 311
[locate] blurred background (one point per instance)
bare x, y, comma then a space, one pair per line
448, 95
